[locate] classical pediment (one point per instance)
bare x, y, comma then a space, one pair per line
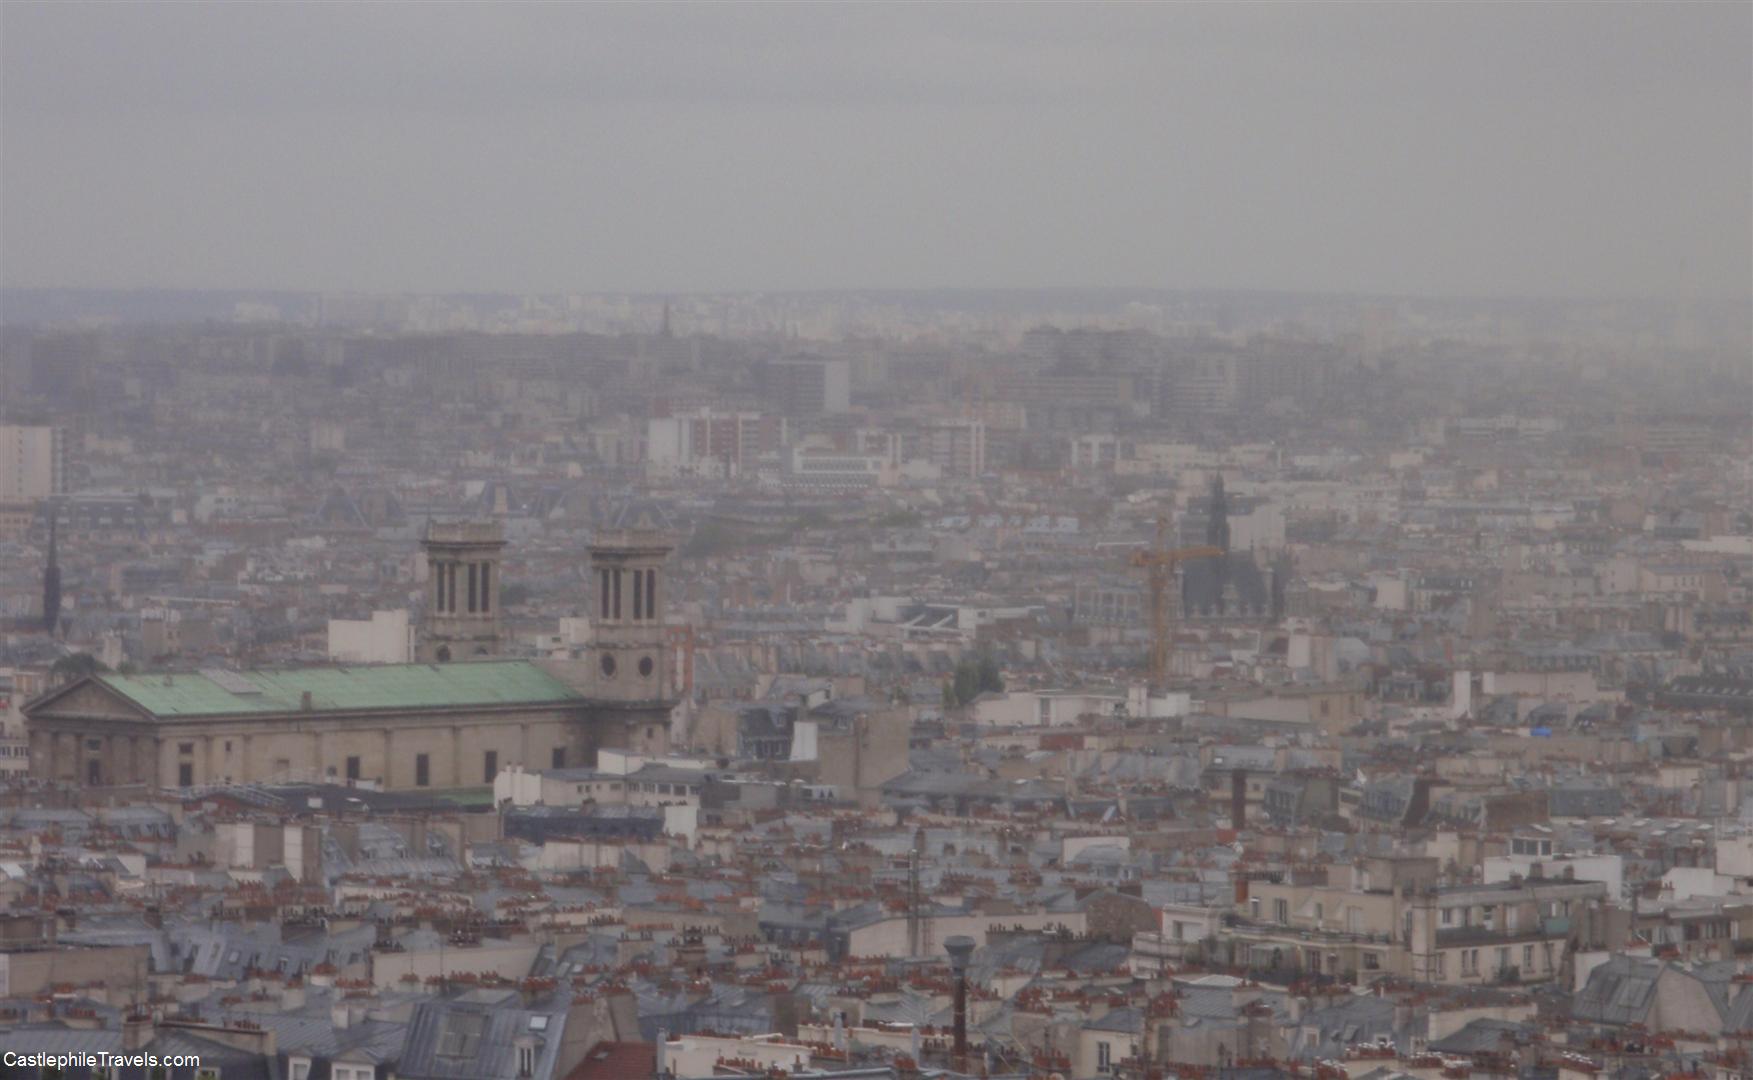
86, 698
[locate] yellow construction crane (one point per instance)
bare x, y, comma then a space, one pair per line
1159, 565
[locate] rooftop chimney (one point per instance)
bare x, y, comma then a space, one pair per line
136, 1032
960, 947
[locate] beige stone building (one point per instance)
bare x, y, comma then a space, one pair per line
400, 726
403, 726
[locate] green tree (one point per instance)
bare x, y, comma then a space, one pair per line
991, 681
75, 666
967, 682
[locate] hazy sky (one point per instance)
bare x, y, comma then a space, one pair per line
1558, 149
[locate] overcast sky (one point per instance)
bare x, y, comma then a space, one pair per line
1558, 149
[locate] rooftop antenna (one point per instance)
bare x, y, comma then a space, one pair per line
52, 577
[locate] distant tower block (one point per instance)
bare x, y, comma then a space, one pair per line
462, 592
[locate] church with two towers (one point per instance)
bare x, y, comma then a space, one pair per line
452, 719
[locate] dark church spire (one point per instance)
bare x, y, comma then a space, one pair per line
1217, 534
52, 578
1217, 528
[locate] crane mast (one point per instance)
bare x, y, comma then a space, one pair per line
1159, 564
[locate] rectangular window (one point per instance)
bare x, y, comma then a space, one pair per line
1104, 1057
1281, 910
438, 587
186, 775
486, 586
616, 581
94, 772
422, 770
603, 590
490, 766
473, 574
557, 759
638, 595
185, 748
353, 768
651, 594
1527, 958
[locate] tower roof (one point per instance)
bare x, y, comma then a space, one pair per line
638, 514
464, 532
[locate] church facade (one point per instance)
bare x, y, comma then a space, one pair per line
450, 722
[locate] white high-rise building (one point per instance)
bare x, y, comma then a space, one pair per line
32, 462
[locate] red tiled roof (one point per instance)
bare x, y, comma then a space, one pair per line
617, 1061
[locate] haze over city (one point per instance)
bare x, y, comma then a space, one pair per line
1479, 150
716, 541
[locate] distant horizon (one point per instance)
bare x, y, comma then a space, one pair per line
1713, 299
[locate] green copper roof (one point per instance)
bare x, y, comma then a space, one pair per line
392, 686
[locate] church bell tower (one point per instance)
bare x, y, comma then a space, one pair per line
631, 676
462, 592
